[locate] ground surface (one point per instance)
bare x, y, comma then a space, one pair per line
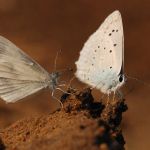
81, 124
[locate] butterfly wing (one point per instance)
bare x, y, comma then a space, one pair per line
20, 76
101, 58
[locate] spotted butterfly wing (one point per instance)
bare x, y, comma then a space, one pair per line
20, 76
101, 59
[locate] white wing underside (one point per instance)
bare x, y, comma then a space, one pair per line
20, 76
101, 58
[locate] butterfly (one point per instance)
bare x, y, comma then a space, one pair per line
101, 60
20, 75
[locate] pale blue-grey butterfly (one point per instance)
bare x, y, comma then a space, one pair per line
101, 60
20, 75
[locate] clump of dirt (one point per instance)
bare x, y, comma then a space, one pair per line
81, 124
2, 146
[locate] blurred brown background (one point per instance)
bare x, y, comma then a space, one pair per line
41, 28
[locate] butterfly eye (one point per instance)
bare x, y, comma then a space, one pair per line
121, 78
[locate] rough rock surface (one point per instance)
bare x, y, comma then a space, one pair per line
81, 124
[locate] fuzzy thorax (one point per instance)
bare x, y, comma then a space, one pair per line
53, 82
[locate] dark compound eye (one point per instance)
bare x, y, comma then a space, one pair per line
121, 78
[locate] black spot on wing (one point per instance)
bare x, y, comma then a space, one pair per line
112, 32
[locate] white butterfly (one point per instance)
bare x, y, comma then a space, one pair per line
20, 75
101, 61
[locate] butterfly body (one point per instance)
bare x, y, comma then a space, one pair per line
53, 80
107, 82
101, 59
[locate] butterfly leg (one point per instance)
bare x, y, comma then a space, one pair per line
62, 91
69, 84
62, 85
120, 94
114, 93
57, 99
108, 100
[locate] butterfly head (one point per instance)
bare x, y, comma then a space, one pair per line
54, 78
114, 84
121, 80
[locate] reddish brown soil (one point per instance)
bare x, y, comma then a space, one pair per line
77, 126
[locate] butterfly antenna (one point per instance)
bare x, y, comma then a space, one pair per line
56, 58
138, 80
65, 70
130, 90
